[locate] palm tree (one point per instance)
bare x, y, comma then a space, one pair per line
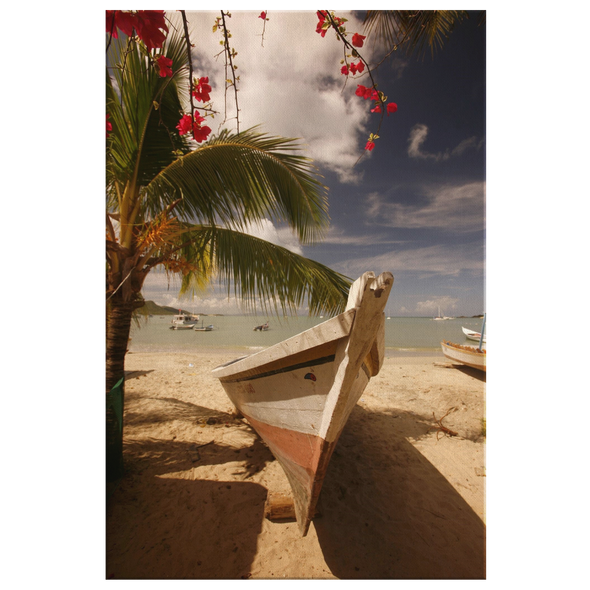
187, 210
414, 30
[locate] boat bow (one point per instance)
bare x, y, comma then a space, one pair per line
298, 394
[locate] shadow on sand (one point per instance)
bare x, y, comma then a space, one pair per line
158, 525
387, 512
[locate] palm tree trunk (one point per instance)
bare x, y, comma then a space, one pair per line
118, 328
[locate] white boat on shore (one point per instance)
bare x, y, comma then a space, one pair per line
299, 393
466, 355
472, 335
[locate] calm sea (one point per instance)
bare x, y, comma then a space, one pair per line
404, 335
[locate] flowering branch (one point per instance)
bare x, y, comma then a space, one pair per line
328, 20
190, 61
230, 53
150, 27
264, 19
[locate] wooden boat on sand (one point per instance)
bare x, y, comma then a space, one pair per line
299, 393
466, 355
472, 334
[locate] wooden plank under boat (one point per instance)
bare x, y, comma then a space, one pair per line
466, 355
299, 393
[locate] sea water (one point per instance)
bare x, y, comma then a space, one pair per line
402, 334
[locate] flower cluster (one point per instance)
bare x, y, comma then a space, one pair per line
165, 65
109, 125
201, 89
188, 125
353, 68
150, 25
324, 23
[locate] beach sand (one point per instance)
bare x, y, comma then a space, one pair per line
400, 500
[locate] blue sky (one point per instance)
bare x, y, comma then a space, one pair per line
416, 204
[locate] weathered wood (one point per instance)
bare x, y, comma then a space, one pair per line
279, 507
298, 394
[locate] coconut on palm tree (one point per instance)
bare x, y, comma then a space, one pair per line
186, 208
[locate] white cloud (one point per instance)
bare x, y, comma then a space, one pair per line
457, 208
336, 236
283, 236
431, 260
289, 91
418, 135
431, 306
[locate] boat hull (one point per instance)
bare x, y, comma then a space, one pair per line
472, 335
465, 355
299, 394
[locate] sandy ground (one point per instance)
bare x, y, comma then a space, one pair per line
401, 500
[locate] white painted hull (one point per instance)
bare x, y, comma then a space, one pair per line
472, 357
299, 393
472, 335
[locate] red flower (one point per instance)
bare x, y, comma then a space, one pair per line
319, 29
344, 70
111, 26
357, 68
185, 125
376, 108
125, 21
365, 92
200, 133
150, 25
370, 145
188, 125
202, 89
357, 40
391, 107
165, 65
262, 15
106, 126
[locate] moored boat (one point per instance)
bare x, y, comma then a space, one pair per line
299, 393
184, 321
466, 355
472, 334
261, 328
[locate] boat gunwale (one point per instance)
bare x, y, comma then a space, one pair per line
292, 346
452, 346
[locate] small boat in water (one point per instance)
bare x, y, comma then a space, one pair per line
299, 393
261, 328
472, 335
184, 321
466, 355
440, 317
203, 328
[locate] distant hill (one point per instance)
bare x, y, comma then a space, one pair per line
152, 308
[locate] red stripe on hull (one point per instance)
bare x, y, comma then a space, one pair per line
304, 458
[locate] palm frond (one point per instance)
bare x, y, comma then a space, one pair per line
144, 110
237, 179
416, 30
266, 275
